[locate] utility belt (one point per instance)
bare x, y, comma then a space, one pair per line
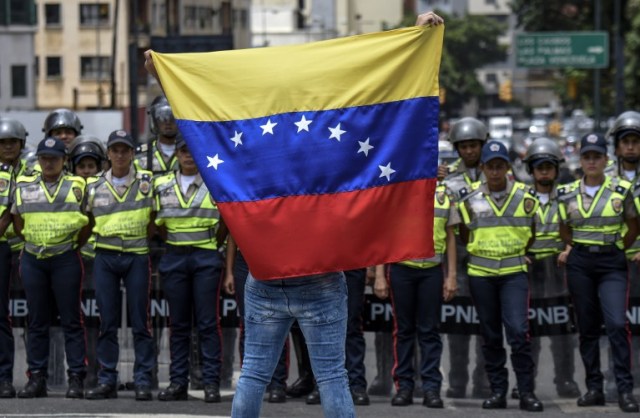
108, 251
596, 249
185, 249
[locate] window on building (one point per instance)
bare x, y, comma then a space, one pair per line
94, 14
18, 81
491, 78
52, 14
198, 18
36, 67
94, 68
54, 67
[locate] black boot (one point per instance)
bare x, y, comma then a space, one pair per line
7, 390
304, 385
36, 387
76, 386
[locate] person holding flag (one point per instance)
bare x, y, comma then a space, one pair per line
311, 173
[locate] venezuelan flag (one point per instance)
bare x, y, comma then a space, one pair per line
321, 157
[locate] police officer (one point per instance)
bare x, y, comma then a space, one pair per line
497, 216
87, 155
160, 155
625, 135
191, 273
50, 263
120, 206
467, 136
543, 161
417, 290
12, 139
63, 124
597, 221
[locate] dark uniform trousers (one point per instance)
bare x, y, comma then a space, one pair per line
6, 334
355, 343
459, 344
240, 274
598, 285
191, 283
93, 367
547, 280
504, 300
134, 270
60, 276
416, 295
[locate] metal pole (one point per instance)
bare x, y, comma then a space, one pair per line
596, 72
133, 72
114, 42
619, 56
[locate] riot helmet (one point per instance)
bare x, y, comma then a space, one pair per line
626, 123
468, 129
543, 150
161, 119
62, 118
87, 146
12, 128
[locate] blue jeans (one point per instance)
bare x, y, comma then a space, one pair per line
319, 304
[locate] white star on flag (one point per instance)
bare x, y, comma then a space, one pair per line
268, 127
214, 161
365, 147
386, 171
237, 138
336, 132
303, 124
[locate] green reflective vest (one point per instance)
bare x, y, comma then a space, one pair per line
188, 222
51, 222
603, 223
498, 236
5, 190
441, 207
158, 163
121, 221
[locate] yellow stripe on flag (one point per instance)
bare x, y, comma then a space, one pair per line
344, 72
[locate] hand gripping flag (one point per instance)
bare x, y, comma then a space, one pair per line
321, 157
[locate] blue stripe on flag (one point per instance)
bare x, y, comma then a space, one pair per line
316, 152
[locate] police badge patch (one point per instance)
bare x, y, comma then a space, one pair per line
617, 205
529, 204
145, 184
440, 197
4, 185
77, 192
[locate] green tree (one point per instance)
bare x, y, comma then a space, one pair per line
470, 42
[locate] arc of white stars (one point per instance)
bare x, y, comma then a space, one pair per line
237, 138
386, 171
214, 161
267, 128
303, 124
336, 132
365, 147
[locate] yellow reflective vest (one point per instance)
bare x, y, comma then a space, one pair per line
189, 222
498, 236
547, 241
603, 223
51, 222
121, 221
442, 205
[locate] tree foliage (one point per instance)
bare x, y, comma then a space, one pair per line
470, 42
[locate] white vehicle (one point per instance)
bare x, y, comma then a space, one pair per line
501, 127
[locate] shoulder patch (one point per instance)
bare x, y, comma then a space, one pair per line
529, 204
561, 191
440, 196
532, 191
5, 167
620, 189
4, 185
142, 148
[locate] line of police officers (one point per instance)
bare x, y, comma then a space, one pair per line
509, 239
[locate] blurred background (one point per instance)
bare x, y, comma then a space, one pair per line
528, 68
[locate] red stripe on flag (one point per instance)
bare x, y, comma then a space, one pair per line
310, 234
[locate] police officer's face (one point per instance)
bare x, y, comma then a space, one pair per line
629, 148
495, 171
545, 173
593, 163
66, 135
187, 165
469, 151
9, 150
86, 167
51, 166
120, 156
